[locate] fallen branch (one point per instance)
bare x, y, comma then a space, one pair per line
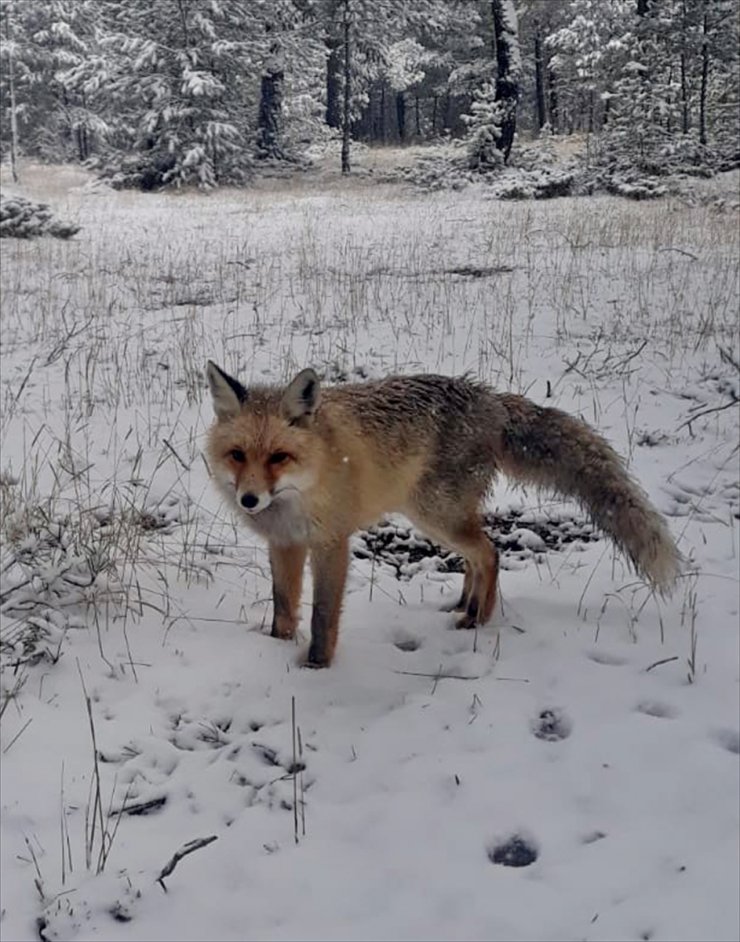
699, 415
437, 676
183, 852
140, 808
674, 248
727, 355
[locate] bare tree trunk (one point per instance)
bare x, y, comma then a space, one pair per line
401, 116
552, 83
83, 140
346, 110
382, 112
434, 117
590, 111
270, 117
13, 118
704, 79
418, 117
508, 62
539, 77
685, 122
184, 24
334, 84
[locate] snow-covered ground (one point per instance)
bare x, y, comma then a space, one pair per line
589, 734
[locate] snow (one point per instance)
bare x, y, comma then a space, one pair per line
510, 34
591, 724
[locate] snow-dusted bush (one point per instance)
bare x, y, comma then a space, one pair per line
21, 218
484, 130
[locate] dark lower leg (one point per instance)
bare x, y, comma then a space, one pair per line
287, 564
329, 565
484, 583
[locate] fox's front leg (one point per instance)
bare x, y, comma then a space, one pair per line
329, 565
287, 564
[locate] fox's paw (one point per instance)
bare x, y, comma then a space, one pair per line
284, 629
316, 660
459, 606
316, 665
466, 622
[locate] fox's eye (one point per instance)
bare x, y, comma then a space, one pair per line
278, 457
238, 455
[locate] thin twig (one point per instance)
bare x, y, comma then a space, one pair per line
186, 466
438, 676
98, 805
18, 734
674, 248
39, 881
303, 790
665, 660
727, 355
295, 771
183, 852
699, 415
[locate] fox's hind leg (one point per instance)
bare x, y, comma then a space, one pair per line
481, 565
463, 532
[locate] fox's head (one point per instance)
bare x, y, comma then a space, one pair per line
261, 448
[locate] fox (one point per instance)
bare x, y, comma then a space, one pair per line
305, 467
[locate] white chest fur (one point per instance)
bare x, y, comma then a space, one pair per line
284, 522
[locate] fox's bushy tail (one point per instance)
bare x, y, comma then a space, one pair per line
561, 453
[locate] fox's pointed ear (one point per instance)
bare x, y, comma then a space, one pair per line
301, 398
228, 393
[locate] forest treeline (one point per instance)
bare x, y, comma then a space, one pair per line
201, 91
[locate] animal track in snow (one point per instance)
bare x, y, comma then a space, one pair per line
245, 760
707, 502
728, 739
603, 657
552, 724
656, 708
407, 643
593, 836
514, 851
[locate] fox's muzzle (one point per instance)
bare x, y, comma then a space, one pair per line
255, 503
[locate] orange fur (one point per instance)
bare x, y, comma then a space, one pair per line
306, 468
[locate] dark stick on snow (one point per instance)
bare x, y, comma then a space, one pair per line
699, 415
438, 676
183, 852
665, 660
187, 466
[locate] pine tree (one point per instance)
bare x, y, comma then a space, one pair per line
508, 72
484, 136
42, 43
361, 36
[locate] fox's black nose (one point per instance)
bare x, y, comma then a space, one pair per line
250, 501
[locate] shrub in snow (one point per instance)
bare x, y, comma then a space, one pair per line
22, 219
484, 130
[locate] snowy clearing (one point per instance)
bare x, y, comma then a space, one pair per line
569, 772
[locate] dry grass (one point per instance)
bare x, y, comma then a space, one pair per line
596, 302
